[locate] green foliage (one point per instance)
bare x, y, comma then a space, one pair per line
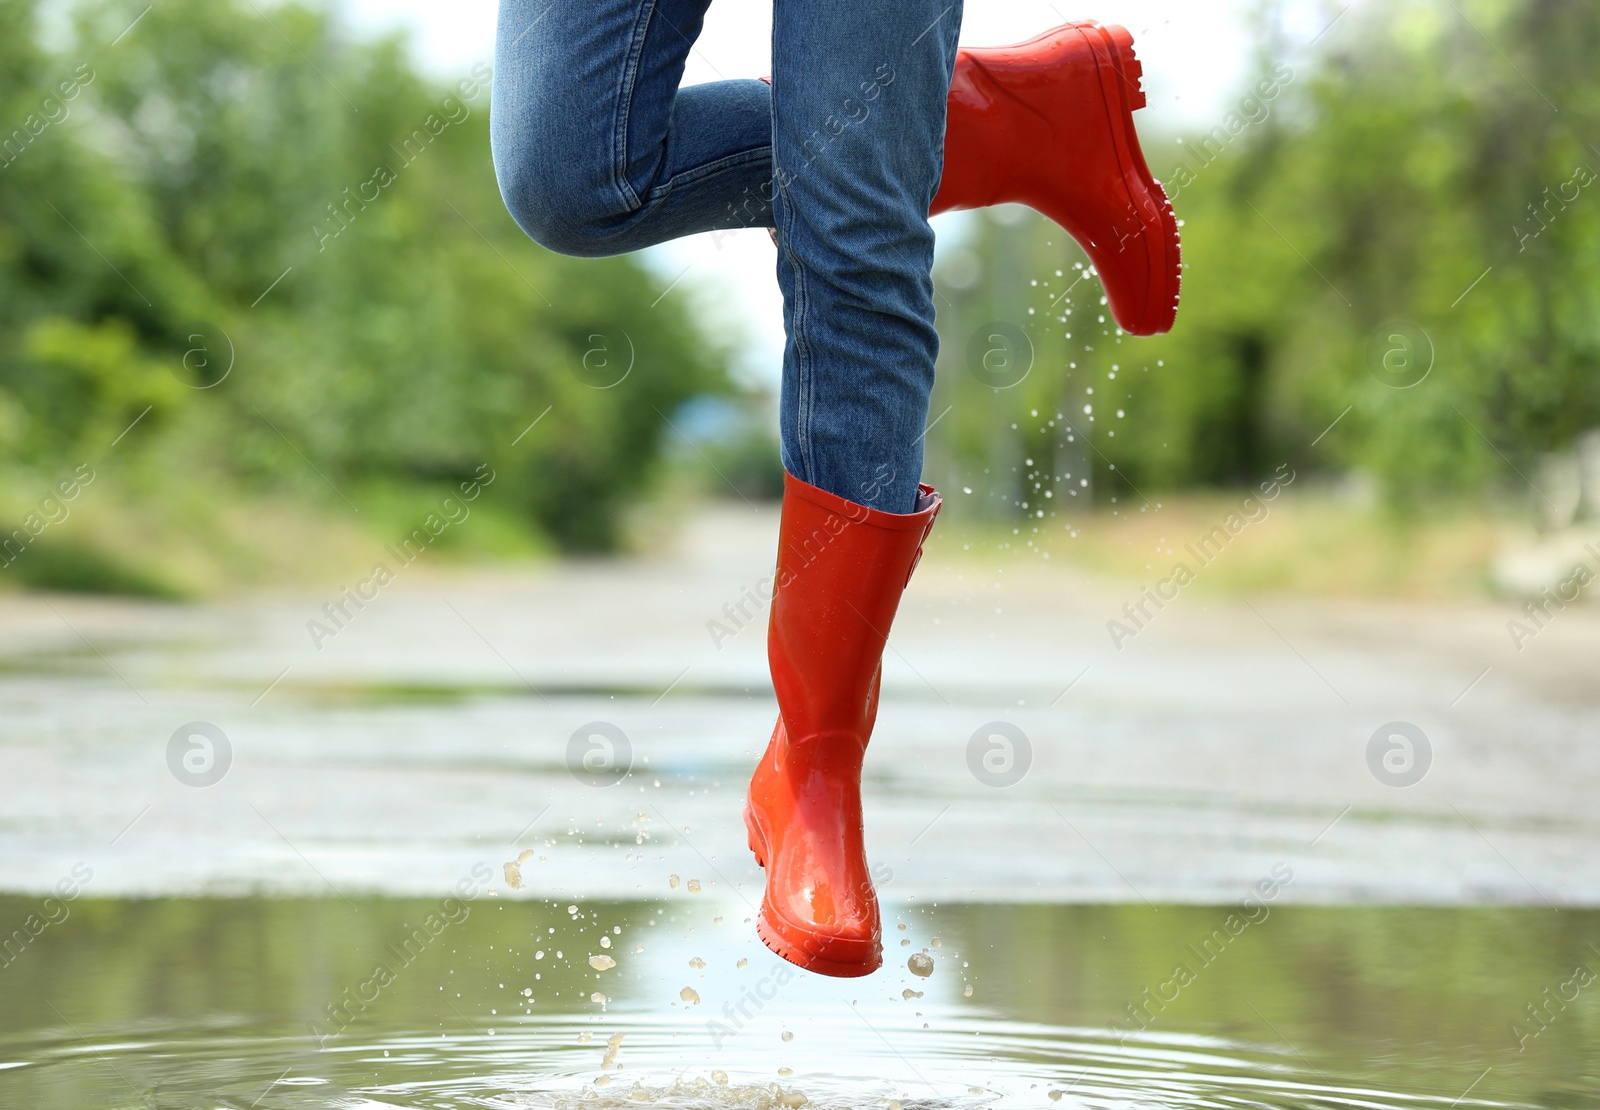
71, 567
1332, 232
280, 255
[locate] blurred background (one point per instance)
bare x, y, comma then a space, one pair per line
1387, 290
363, 564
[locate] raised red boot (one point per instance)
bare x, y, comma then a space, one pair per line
841, 570
1049, 123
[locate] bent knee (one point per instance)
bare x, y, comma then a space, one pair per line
566, 220
556, 204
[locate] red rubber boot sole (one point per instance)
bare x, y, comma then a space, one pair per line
811, 951
1121, 79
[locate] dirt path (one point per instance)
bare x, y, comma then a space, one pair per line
396, 745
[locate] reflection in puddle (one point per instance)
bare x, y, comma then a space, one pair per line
198, 1004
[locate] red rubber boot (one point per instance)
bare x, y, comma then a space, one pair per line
1049, 123
841, 570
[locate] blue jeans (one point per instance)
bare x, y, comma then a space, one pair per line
598, 151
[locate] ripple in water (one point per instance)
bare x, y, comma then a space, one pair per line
545, 1063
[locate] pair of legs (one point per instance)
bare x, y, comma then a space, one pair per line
598, 151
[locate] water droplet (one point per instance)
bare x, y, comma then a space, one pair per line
689, 994
697, 963
672, 881
921, 965
694, 886
602, 963
788, 1036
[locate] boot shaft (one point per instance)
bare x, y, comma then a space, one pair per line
1011, 118
841, 570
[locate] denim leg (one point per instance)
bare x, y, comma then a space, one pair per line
596, 149
858, 114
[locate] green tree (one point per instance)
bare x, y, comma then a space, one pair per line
1409, 199
249, 198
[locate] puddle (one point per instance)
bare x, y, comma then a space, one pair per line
195, 1004
538, 1067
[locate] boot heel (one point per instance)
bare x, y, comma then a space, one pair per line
754, 840
1128, 65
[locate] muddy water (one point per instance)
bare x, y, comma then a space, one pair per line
376, 1002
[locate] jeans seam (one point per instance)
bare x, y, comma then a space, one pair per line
630, 75
804, 403
690, 176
